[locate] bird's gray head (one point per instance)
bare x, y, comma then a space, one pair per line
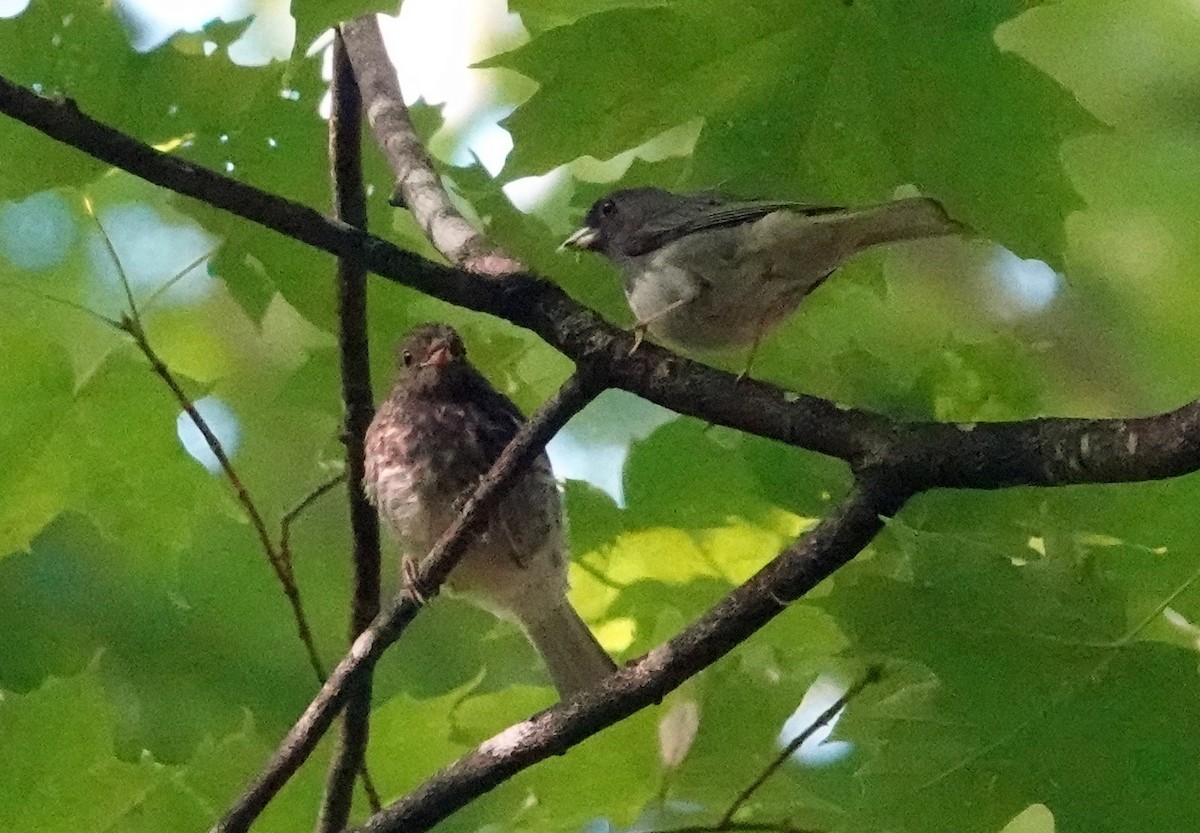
432, 358
613, 221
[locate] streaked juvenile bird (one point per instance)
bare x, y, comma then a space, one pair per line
431, 441
706, 273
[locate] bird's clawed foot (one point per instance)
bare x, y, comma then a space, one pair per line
752, 353
412, 580
639, 335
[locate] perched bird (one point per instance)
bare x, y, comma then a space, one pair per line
703, 272
435, 436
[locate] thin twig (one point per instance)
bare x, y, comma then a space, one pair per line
726, 824
386, 628
131, 323
116, 259
873, 675
63, 302
178, 276
292, 515
283, 570
350, 206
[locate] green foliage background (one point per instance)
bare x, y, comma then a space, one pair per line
1038, 645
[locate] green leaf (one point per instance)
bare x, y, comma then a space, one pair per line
1036, 818
403, 758
845, 102
193, 795
1002, 646
61, 773
684, 476
539, 15
639, 89
562, 792
67, 48
1134, 250
600, 519
1131, 64
38, 392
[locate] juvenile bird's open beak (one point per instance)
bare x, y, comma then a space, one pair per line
439, 355
584, 238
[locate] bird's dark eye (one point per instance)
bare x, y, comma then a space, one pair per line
407, 358
608, 208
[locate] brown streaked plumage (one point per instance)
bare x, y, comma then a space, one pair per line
431, 441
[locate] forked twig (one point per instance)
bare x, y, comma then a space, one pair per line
292, 515
130, 323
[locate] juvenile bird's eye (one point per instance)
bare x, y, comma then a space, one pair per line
407, 358
608, 208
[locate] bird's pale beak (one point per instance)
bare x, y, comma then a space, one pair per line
584, 238
439, 355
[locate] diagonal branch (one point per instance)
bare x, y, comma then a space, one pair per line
418, 185
275, 556
1046, 452
829, 545
350, 205
569, 400
660, 376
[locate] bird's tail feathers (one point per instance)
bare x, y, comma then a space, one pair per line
572, 655
906, 219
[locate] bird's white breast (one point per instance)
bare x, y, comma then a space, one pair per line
738, 280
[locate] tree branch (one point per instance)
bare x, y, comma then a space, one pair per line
670, 380
350, 206
299, 742
1042, 452
281, 566
418, 185
131, 324
829, 545
1047, 452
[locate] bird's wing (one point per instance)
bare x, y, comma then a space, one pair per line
535, 488
714, 213
505, 417
525, 535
